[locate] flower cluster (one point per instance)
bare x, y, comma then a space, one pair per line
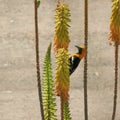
115, 23
61, 37
62, 74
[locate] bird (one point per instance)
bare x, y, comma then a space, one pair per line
74, 59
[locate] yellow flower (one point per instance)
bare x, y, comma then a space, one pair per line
115, 23
62, 74
61, 37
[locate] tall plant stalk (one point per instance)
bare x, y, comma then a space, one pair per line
85, 61
117, 42
61, 43
115, 38
38, 58
116, 82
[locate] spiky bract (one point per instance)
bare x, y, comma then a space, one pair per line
62, 18
66, 110
115, 22
47, 88
62, 74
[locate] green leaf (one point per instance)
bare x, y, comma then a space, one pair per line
48, 97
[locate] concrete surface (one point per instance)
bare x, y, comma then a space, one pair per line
18, 86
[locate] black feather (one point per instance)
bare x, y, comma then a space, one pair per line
74, 62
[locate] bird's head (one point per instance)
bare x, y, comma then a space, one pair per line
81, 51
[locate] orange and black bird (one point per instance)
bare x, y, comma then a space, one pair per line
76, 58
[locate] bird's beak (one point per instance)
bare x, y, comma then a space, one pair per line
81, 49
77, 46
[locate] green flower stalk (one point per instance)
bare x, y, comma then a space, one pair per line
62, 82
115, 22
48, 97
62, 18
67, 115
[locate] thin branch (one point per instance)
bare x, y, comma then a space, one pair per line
116, 82
85, 61
38, 58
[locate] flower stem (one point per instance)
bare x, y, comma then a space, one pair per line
62, 107
38, 58
85, 61
116, 82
